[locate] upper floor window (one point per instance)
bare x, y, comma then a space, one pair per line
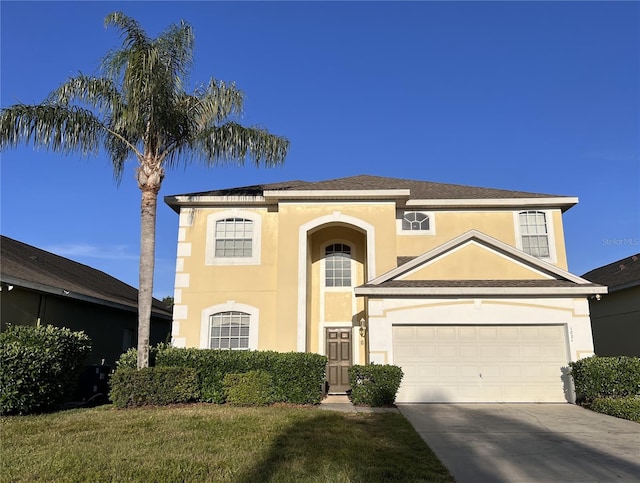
534, 233
415, 221
229, 330
233, 238
337, 265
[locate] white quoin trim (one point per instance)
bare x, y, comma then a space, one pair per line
303, 253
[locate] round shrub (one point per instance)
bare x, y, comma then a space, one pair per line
39, 367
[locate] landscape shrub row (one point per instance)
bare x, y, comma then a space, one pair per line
620, 407
374, 384
297, 377
153, 386
39, 367
606, 377
253, 388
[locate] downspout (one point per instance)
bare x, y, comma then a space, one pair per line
42, 305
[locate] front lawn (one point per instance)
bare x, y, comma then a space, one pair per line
215, 443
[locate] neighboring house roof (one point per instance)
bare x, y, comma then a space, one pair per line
618, 275
412, 192
30, 267
558, 282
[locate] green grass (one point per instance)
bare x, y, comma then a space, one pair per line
215, 443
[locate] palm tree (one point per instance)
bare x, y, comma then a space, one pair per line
137, 107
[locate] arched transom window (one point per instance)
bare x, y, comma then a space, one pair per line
229, 330
415, 221
337, 265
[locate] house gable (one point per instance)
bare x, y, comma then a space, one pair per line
444, 271
473, 261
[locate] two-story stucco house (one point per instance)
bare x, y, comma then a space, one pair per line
465, 288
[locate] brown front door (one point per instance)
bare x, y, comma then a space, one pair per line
339, 355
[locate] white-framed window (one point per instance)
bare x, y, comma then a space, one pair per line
535, 233
415, 222
337, 265
233, 238
229, 330
229, 326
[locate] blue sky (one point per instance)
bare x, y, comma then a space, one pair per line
531, 96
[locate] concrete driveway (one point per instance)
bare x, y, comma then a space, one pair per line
528, 442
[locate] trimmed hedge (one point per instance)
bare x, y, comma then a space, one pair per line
130, 357
297, 377
153, 386
374, 384
602, 377
253, 388
620, 407
39, 367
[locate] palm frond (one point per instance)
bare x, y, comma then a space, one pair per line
96, 92
59, 128
232, 141
130, 29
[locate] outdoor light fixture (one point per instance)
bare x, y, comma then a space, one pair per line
363, 327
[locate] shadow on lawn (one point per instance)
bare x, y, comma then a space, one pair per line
335, 446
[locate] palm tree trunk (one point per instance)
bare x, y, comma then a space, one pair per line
149, 180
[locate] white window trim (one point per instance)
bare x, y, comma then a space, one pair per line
230, 306
548, 214
210, 250
400, 216
323, 268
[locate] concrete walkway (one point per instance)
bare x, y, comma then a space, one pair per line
518, 443
341, 402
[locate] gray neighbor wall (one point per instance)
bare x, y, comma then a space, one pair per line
112, 331
615, 322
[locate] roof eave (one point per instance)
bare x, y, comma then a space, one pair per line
47, 289
563, 203
179, 201
478, 291
384, 194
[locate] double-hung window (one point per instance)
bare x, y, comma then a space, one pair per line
534, 233
234, 238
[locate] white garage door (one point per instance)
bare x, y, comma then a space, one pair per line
488, 363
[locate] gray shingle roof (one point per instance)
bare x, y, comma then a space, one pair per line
624, 272
25, 263
419, 189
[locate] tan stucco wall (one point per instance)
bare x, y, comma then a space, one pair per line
294, 233
450, 224
473, 262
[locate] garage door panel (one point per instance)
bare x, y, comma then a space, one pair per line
481, 363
